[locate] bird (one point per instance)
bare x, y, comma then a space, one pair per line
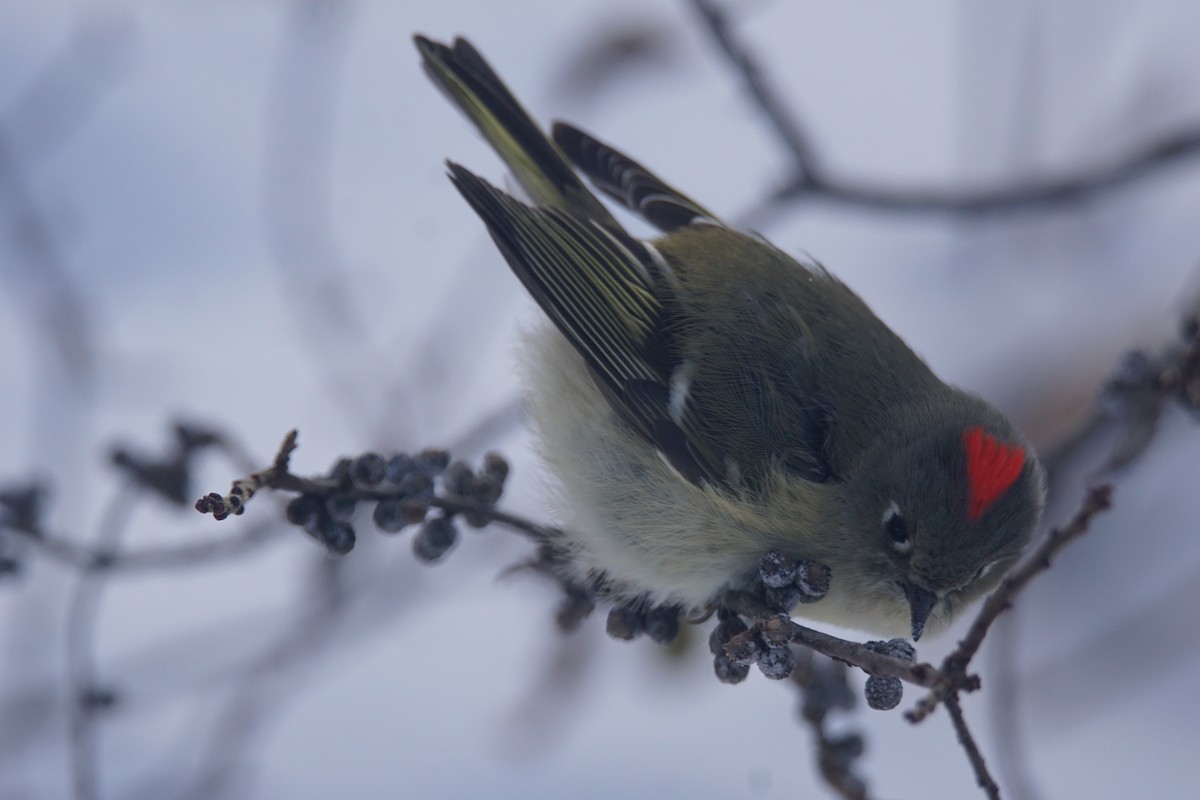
701, 398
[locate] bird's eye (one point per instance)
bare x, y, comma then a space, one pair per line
896, 527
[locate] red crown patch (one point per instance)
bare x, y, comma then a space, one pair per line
992, 468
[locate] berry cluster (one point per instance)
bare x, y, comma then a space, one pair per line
782, 584
660, 623
735, 647
425, 489
788, 582
728, 626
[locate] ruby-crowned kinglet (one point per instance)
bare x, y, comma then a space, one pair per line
703, 398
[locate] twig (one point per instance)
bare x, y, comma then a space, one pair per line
83, 696
783, 122
1132, 401
954, 676
812, 181
1082, 184
1097, 500
266, 684
50, 109
103, 558
982, 776
299, 124
780, 630
279, 476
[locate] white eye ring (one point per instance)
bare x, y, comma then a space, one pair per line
896, 528
984, 570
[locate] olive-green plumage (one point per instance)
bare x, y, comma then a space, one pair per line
790, 416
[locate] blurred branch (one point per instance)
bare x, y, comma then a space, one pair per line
51, 107
1132, 401
783, 122
1032, 196
57, 102
41, 274
299, 133
812, 181
86, 697
101, 557
825, 689
779, 629
169, 479
261, 689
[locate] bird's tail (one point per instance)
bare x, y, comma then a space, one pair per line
538, 165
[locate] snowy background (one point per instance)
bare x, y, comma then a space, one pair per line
236, 213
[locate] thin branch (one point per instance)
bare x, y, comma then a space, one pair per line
785, 124
1075, 187
300, 129
780, 629
1097, 500
812, 181
84, 697
825, 689
42, 274
104, 558
278, 476
1136, 396
50, 109
266, 684
954, 668
982, 776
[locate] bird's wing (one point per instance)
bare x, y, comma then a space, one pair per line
627, 181
608, 295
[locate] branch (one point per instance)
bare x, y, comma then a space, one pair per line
403, 487
779, 629
1097, 500
982, 776
408, 483
1082, 184
1133, 400
789, 130
85, 695
104, 557
953, 675
1135, 396
812, 181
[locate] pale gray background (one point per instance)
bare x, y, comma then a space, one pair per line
247, 201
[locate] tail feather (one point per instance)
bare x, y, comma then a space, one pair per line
627, 181
467, 79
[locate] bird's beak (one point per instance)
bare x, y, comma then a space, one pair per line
921, 601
